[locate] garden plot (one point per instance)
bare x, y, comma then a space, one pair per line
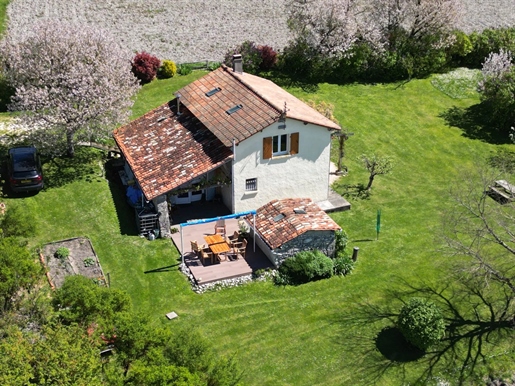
81, 260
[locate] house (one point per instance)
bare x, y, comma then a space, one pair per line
286, 227
230, 136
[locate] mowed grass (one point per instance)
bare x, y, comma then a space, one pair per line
310, 334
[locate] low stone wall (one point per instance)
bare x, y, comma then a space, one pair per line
322, 240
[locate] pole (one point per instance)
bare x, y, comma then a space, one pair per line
182, 246
378, 223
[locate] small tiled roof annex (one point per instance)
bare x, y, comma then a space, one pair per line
262, 103
165, 151
280, 221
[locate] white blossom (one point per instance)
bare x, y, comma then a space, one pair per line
76, 80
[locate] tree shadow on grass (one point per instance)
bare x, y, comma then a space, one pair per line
85, 165
476, 122
476, 317
357, 191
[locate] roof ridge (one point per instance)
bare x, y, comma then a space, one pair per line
248, 86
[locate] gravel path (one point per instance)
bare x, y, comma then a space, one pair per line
196, 30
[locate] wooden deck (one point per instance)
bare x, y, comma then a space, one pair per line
225, 269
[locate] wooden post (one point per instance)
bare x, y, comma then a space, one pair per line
355, 253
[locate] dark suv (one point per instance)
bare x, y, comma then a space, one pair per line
24, 166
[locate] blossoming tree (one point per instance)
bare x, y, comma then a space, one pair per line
72, 83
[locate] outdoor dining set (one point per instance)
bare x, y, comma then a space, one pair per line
220, 247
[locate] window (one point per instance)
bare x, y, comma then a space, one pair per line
283, 144
251, 185
279, 143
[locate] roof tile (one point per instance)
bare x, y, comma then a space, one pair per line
276, 233
164, 154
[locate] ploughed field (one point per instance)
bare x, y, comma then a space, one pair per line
198, 30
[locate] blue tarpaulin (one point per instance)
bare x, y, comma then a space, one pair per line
133, 195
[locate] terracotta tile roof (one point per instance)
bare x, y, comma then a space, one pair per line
277, 97
262, 102
280, 221
255, 114
165, 151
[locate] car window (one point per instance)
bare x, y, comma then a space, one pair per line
24, 162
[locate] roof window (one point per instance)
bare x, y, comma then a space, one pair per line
213, 91
232, 110
279, 217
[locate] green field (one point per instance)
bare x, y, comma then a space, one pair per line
317, 333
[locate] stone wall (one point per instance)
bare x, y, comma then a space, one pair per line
321, 240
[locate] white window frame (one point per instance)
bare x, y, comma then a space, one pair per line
280, 138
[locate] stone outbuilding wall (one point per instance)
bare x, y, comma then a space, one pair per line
322, 240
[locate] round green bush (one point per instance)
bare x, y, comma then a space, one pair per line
168, 69
421, 323
305, 267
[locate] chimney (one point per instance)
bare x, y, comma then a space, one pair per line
237, 63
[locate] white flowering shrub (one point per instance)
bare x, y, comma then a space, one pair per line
497, 87
73, 81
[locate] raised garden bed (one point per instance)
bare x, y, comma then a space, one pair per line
82, 260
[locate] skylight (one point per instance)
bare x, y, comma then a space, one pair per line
213, 91
232, 110
279, 217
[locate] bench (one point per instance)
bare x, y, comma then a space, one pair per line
500, 194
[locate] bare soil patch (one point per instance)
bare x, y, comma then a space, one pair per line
81, 261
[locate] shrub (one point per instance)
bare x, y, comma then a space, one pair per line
18, 221
343, 265
211, 66
168, 69
268, 58
305, 267
145, 66
184, 69
340, 243
250, 54
62, 253
421, 323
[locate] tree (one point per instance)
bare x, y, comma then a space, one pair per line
82, 301
17, 270
65, 355
381, 34
376, 165
479, 231
497, 86
327, 26
421, 323
73, 83
18, 221
250, 55
145, 66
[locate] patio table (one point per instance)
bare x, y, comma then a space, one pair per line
217, 244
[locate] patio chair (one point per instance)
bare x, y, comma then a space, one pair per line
206, 255
233, 240
196, 248
220, 228
241, 250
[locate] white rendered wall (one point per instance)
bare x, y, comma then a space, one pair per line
303, 175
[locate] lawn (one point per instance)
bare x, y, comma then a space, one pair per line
310, 334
